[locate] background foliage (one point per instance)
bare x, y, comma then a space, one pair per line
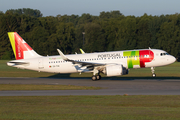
110, 31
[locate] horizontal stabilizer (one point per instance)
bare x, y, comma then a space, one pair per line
17, 63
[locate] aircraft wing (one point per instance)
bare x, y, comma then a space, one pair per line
88, 64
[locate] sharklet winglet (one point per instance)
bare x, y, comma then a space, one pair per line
82, 51
62, 55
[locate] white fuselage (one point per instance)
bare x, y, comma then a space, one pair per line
56, 64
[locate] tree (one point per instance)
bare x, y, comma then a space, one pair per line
127, 37
169, 35
143, 35
85, 18
94, 39
7, 23
107, 32
1, 13
112, 14
36, 39
26, 11
78, 42
66, 36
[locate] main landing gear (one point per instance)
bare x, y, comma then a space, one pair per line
152, 70
96, 77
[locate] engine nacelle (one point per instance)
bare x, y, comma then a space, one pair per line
115, 70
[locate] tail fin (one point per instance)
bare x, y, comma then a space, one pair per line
21, 49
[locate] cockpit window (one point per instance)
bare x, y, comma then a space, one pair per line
162, 54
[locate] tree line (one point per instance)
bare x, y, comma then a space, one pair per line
110, 31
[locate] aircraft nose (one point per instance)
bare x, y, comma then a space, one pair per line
172, 59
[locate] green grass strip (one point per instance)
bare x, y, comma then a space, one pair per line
90, 108
6, 87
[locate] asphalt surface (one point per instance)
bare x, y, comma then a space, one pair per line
111, 86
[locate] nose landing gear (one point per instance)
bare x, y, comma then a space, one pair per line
153, 72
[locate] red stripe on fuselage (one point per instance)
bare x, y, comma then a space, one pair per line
145, 56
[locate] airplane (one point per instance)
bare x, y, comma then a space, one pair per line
114, 63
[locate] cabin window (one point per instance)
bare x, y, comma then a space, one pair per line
146, 56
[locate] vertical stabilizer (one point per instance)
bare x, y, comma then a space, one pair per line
20, 48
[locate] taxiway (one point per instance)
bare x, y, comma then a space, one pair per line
110, 86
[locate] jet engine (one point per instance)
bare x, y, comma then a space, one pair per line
115, 70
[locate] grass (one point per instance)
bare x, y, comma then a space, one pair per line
171, 71
6, 87
90, 108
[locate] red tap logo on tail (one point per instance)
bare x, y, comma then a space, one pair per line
19, 45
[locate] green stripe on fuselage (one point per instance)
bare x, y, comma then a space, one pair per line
132, 58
